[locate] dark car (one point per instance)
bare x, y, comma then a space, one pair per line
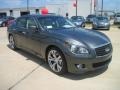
5, 21
90, 18
101, 22
79, 21
60, 43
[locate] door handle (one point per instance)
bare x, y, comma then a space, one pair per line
22, 32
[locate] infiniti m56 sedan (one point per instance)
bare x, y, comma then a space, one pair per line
62, 45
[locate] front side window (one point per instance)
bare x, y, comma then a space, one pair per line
102, 18
21, 22
77, 18
31, 23
55, 22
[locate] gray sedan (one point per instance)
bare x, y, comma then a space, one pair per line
101, 23
60, 43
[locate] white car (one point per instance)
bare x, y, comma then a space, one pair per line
117, 19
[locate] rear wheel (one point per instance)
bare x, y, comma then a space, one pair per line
56, 61
12, 42
4, 25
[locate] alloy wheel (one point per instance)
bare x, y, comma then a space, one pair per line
55, 61
12, 43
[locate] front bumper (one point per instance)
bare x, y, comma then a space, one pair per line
116, 22
89, 64
0, 25
101, 26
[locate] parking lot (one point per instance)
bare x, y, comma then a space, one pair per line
20, 70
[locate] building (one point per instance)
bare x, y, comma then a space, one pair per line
60, 7
16, 12
85, 7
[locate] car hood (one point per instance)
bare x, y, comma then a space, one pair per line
90, 38
103, 21
1, 20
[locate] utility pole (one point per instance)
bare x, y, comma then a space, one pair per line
95, 6
28, 6
91, 7
102, 6
76, 7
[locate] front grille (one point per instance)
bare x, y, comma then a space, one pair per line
95, 65
104, 50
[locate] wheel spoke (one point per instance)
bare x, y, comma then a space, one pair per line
54, 53
11, 42
51, 58
59, 57
60, 62
59, 67
53, 66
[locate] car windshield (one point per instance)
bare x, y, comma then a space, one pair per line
77, 18
55, 23
118, 15
102, 18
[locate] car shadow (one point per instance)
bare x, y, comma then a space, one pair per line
70, 76
106, 30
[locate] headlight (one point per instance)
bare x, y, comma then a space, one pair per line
95, 23
0, 22
78, 50
106, 23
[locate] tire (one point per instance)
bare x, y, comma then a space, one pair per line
108, 29
4, 25
12, 42
83, 25
56, 61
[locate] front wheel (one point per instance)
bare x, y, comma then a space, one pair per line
56, 61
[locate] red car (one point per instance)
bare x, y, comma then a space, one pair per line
5, 21
9, 22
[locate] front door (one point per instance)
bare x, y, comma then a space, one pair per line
34, 39
21, 32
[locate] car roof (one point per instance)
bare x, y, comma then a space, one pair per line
91, 15
77, 16
101, 17
39, 15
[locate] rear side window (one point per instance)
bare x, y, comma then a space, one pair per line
21, 22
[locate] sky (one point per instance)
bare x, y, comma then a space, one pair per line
108, 4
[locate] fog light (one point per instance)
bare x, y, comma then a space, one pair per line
80, 66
